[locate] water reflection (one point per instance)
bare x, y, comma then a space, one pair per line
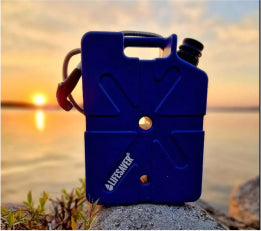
39, 117
230, 154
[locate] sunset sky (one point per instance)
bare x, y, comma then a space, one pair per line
36, 35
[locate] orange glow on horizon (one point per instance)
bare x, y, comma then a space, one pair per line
39, 100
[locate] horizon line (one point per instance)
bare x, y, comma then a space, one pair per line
17, 104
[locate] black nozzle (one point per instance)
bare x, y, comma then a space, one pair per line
190, 50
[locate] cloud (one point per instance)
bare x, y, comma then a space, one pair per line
37, 34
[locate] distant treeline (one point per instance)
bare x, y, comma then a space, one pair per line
233, 109
17, 104
10, 104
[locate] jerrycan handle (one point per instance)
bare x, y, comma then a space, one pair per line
131, 38
143, 39
145, 42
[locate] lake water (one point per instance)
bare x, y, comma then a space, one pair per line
44, 150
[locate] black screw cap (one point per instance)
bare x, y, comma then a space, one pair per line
190, 50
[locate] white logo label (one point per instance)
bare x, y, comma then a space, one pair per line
118, 173
109, 187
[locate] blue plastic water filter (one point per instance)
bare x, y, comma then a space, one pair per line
118, 91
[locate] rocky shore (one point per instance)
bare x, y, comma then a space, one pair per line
243, 213
156, 217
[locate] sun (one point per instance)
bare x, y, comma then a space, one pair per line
39, 99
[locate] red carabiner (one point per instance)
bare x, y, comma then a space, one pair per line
66, 87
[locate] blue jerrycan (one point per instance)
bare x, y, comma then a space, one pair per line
144, 137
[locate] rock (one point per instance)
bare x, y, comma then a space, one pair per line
222, 218
152, 216
244, 202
